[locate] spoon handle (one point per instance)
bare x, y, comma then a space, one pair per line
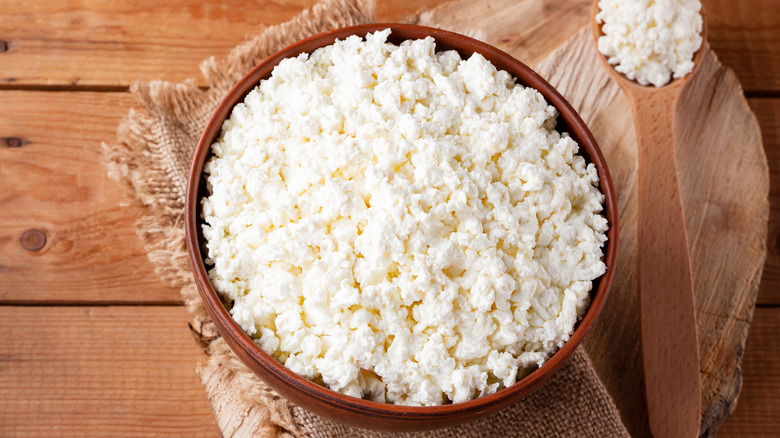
670, 346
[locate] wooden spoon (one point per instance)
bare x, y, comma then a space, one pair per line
670, 348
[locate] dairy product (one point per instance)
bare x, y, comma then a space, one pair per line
650, 41
400, 224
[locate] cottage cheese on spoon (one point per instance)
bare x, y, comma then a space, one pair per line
400, 224
650, 41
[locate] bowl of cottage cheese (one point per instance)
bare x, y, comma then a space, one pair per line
398, 227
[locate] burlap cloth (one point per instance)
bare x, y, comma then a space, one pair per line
152, 156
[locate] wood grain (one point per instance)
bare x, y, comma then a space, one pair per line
114, 43
128, 371
111, 44
524, 30
746, 37
97, 43
54, 182
768, 113
724, 179
758, 410
113, 380
665, 284
100, 371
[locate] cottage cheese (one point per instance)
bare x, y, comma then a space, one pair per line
650, 41
400, 224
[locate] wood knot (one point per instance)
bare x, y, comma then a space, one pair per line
3, 46
14, 142
33, 240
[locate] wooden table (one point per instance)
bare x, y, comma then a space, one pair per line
91, 343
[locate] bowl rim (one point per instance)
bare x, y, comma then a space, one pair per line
228, 328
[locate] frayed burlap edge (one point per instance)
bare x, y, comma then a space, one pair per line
145, 158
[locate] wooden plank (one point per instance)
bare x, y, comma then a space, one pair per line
54, 182
97, 43
129, 371
746, 37
768, 114
114, 43
758, 408
100, 371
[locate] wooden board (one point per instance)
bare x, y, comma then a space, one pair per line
100, 371
54, 182
60, 277
112, 44
103, 44
724, 182
80, 369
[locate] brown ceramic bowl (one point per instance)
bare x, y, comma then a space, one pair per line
351, 410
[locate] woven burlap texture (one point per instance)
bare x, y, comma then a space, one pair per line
152, 156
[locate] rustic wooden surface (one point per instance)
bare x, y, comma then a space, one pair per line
99, 371
71, 364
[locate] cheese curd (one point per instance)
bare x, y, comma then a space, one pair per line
650, 41
400, 224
